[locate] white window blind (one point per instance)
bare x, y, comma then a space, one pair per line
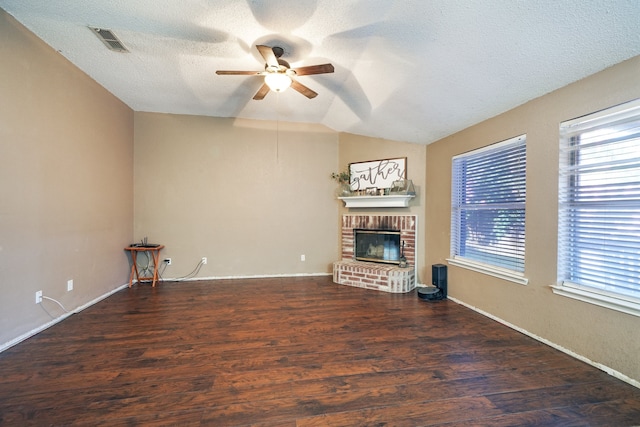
599, 203
488, 205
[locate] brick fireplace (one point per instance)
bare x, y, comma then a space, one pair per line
371, 275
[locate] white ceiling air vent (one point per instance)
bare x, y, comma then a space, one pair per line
109, 39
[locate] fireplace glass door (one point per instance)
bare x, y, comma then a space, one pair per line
377, 245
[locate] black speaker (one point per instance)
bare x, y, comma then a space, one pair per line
439, 278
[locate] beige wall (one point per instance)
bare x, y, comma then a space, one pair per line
356, 148
602, 335
251, 196
66, 148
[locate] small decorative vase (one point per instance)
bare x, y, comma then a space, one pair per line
344, 190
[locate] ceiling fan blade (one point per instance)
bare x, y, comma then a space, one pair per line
238, 73
262, 92
303, 89
268, 55
314, 69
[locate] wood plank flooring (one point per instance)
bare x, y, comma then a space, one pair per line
296, 352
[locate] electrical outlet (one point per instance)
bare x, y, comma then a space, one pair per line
303, 258
167, 261
38, 297
204, 260
69, 285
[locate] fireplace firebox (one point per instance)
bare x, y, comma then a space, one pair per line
377, 245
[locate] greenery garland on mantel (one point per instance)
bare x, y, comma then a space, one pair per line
341, 177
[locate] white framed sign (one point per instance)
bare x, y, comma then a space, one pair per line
377, 173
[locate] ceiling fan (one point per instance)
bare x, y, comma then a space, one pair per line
278, 74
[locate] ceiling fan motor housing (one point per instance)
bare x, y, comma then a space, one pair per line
277, 51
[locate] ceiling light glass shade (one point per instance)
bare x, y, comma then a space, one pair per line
277, 82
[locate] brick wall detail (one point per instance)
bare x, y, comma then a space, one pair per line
405, 223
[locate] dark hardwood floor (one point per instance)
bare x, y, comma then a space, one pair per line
297, 352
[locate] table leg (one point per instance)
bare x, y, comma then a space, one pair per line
156, 255
134, 267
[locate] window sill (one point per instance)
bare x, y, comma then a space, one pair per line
601, 299
498, 272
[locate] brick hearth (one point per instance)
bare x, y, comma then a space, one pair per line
373, 275
370, 275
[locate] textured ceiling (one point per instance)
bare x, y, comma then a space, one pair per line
405, 70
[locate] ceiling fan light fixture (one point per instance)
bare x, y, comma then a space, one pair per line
277, 82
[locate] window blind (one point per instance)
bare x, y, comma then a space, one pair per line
488, 205
599, 202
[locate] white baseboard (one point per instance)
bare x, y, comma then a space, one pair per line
608, 370
267, 276
59, 319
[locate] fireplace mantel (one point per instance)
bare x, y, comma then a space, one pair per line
389, 201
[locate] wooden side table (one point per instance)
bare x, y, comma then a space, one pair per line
154, 250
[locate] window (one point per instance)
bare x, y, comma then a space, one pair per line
599, 208
488, 209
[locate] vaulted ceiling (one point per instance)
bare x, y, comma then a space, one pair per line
406, 70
